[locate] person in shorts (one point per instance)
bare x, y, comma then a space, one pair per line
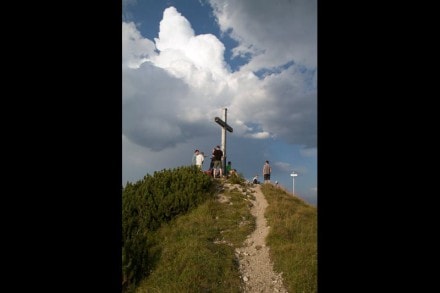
266, 172
217, 168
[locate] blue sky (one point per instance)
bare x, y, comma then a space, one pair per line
184, 61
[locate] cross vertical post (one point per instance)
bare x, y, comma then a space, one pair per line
224, 143
225, 127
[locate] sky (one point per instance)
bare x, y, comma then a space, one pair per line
185, 61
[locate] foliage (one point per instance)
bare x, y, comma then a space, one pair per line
196, 250
190, 260
236, 179
178, 236
149, 203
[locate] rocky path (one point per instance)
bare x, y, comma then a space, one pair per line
255, 265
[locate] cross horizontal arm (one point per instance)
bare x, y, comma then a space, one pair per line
223, 124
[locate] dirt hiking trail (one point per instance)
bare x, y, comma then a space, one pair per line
256, 266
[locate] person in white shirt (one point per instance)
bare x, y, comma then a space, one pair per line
200, 158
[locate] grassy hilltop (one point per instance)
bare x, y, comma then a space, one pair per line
178, 237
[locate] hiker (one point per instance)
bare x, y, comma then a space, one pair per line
266, 172
200, 158
193, 162
217, 168
228, 168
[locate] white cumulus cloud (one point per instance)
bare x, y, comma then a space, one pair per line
174, 85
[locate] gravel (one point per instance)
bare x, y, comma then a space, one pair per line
255, 265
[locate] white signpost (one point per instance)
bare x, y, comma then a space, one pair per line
293, 182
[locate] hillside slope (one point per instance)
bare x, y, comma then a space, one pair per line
242, 238
256, 266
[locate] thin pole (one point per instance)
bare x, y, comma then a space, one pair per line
293, 182
293, 185
224, 142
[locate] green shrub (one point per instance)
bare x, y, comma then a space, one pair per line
236, 179
149, 203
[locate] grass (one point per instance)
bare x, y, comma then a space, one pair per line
196, 251
292, 239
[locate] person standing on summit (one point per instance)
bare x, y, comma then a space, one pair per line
266, 172
217, 168
193, 162
200, 158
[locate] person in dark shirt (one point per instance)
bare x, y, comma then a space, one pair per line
217, 168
